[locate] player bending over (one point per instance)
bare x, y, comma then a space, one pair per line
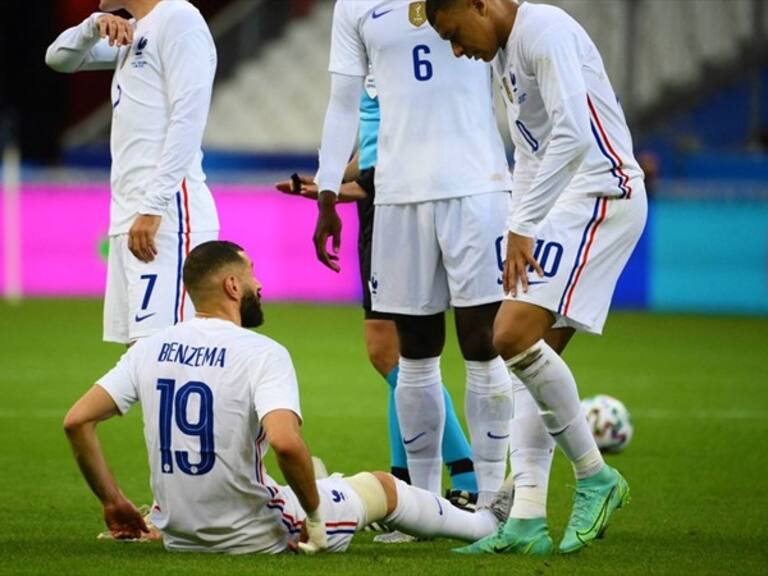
578, 209
214, 396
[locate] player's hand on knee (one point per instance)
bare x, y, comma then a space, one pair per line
123, 520
141, 237
328, 224
313, 537
519, 259
117, 29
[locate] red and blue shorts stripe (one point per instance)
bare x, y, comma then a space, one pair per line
185, 229
582, 255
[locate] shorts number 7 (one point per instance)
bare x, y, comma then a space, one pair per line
151, 279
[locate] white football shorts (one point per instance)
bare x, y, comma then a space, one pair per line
428, 256
342, 508
582, 246
145, 297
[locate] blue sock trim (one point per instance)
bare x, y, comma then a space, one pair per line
464, 481
391, 378
397, 455
456, 447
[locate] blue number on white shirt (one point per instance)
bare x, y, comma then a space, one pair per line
422, 69
151, 279
545, 254
202, 427
500, 258
532, 142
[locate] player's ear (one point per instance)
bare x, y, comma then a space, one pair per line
478, 6
232, 287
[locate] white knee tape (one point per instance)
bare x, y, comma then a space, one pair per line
372, 494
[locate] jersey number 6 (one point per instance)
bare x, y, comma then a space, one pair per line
176, 404
422, 69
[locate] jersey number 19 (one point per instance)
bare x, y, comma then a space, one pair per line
173, 407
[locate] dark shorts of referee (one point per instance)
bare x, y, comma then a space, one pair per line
365, 210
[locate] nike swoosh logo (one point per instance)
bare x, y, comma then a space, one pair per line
142, 318
380, 14
440, 506
495, 437
410, 440
599, 521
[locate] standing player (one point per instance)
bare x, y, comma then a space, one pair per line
214, 396
578, 209
441, 192
164, 61
380, 332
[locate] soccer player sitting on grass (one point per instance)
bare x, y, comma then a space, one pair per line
214, 396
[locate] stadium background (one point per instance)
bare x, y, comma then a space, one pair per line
691, 75
685, 355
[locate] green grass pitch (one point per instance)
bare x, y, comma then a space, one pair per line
697, 466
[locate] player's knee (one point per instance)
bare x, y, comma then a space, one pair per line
387, 482
378, 493
519, 327
478, 345
382, 346
421, 336
508, 341
474, 327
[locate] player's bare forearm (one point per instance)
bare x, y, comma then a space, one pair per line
90, 458
121, 516
284, 436
349, 191
80, 426
352, 171
296, 464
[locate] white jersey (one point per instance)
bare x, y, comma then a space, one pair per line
204, 386
438, 136
161, 93
568, 128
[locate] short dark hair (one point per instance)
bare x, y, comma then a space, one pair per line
208, 258
434, 6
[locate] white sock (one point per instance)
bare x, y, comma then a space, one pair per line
589, 464
552, 385
422, 513
489, 406
421, 412
531, 449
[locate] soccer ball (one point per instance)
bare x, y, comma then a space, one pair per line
610, 422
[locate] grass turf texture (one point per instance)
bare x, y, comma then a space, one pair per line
695, 386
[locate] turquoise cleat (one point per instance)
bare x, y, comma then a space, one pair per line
515, 536
597, 497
